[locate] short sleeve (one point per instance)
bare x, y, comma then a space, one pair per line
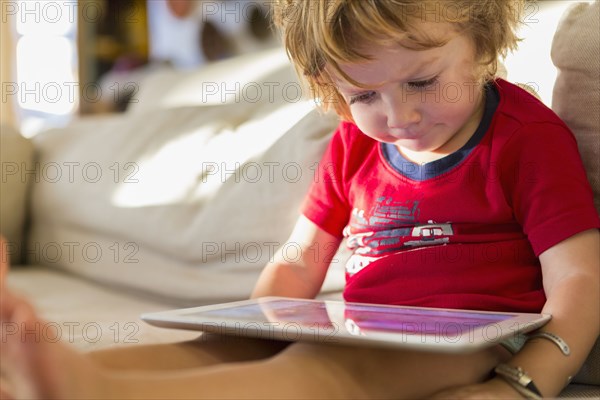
545, 182
326, 203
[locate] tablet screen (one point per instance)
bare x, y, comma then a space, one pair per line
336, 321
360, 318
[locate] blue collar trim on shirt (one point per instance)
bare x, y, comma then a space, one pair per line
423, 172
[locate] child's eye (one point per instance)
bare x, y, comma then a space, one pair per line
423, 84
362, 98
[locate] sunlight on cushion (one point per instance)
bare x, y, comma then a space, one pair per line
237, 80
195, 165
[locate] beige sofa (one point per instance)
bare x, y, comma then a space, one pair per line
181, 200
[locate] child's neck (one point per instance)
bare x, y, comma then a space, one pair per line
421, 157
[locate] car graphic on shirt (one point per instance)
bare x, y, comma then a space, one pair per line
371, 246
430, 234
386, 240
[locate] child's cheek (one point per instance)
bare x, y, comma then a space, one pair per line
372, 124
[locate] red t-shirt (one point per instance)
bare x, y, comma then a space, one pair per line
464, 231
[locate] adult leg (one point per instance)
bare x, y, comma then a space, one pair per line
384, 373
35, 368
207, 350
321, 371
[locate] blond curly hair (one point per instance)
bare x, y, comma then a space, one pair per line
319, 35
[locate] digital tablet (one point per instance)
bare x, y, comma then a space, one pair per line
338, 322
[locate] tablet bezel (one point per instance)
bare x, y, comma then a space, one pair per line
475, 338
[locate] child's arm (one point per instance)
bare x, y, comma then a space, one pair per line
299, 267
571, 271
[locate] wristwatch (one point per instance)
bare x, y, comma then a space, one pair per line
519, 380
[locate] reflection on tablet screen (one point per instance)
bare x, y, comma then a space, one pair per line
359, 319
362, 319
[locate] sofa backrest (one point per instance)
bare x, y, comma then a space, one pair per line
576, 99
182, 197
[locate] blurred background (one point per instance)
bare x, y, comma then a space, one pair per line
65, 58
61, 59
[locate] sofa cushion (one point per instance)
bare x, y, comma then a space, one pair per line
100, 317
186, 203
16, 153
260, 77
576, 99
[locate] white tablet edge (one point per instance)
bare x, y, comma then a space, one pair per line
475, 338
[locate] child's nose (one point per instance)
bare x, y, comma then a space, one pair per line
402, 114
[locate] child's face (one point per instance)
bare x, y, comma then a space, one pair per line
423, 101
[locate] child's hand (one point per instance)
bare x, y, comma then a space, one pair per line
495, 388
4, 261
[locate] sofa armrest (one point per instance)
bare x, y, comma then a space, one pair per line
17, 171
576, 100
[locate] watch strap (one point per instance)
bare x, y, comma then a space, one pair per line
518, 379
